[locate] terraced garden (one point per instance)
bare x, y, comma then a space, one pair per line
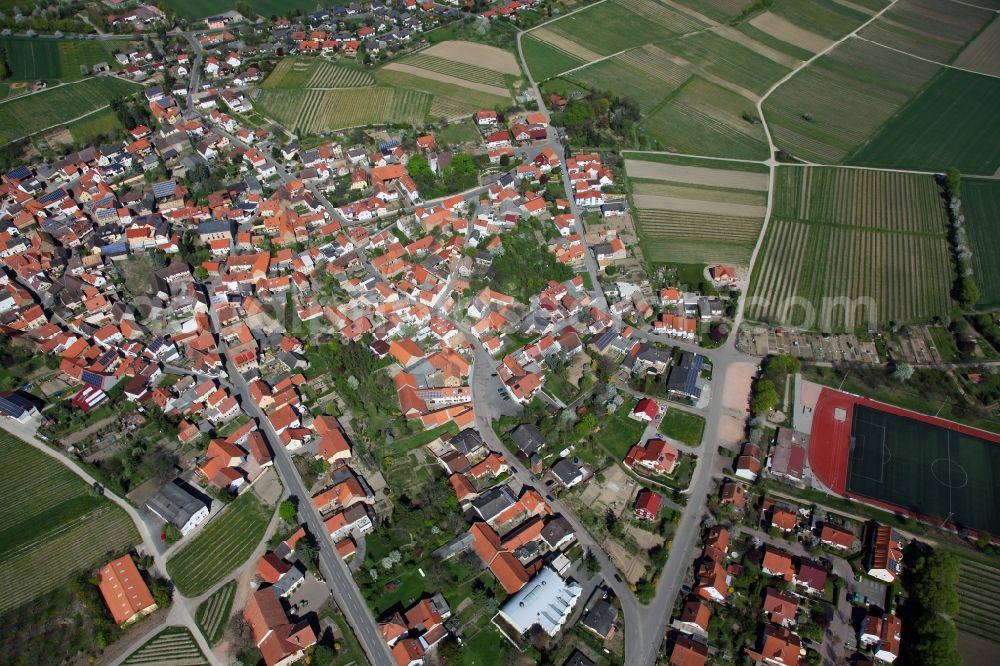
222, 546
849, 248
28, 114
52, 526
174, 646
213, 612
979, 600
981, 205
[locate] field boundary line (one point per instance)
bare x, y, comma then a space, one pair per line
933, 62
970, 4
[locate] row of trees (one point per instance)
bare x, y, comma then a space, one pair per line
930, 579
774, 372
965, 290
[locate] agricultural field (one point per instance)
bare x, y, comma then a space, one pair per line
102, 123
546, 60
614, 26
718, 10
51, 59
828, 19
213, 612
846, 248
979, 600
983, 53
932, 29
174, 645
199, 9
311, 111
222, 546
981, 205
315, 73
52, 526
737, 65
953, 122
703, 118
312, 96
28, 114
830, 109
647, 74
691, 213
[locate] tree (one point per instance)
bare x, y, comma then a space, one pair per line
765, 397
308, 551
953, 183
902, 372
288, 511
983, 540
171, 533
201, 273
162, 592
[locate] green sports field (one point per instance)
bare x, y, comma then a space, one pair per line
925, 468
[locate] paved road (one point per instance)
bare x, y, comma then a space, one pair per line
336, 573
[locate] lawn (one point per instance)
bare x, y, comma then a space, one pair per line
944, 342
220, 547
683, 426
952, 122
33, 58
455, 133
619, 433
52, 525
981, 205
173, 645
213, 612
28, 114
404, 444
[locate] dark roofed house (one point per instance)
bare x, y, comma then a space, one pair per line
683, 379
17, 406
600, 619
569, 472
528, 438
178, 505
558, 532
578, 659
491, 504
467, 442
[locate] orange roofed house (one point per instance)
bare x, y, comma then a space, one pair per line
124, 590
279, 641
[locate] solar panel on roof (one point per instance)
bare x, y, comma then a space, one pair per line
20, 173
164, 189
51, 197
92, 378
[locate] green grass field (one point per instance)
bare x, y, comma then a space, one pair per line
616, 25
823, 17
102, 123
220, 547
979, 600
173, 645
924, 468
847, 240
199, 9
953, 122
213, 612
33, 58
683, 426
981, 205
52, 526
29, 114
545, 61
